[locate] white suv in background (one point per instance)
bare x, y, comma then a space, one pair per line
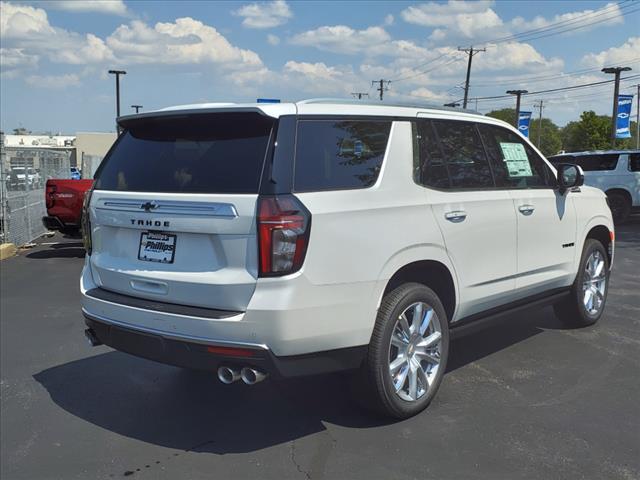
615, 172
303, 238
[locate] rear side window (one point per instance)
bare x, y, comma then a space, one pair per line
634, 162
339, 154
463, 154
514, 163
590, 163
431, 169
201, 153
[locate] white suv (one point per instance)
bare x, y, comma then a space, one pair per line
615, 172
311, 237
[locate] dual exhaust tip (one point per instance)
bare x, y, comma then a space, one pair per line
250, 376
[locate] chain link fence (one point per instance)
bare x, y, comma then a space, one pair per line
23, 174
89, 165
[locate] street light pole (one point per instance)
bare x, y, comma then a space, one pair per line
616, 89
117, 73
518, 94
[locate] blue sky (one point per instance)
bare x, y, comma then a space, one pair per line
55, 54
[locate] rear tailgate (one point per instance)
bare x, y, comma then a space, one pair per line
64, 198
173, 210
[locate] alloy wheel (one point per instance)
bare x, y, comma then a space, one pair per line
415, 351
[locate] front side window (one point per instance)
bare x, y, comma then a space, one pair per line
339, 154
514, 163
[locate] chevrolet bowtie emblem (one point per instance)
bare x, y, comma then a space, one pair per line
147, 207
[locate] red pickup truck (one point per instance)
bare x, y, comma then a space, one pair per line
64, 199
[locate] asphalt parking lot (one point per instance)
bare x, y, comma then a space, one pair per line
524, 399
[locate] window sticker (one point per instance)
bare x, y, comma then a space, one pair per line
515, 156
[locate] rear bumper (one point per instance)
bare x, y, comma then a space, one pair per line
54, 223
202, 355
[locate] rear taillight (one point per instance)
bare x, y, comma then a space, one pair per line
85, 222
283, 234
50, 195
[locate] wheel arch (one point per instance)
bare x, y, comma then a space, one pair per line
603, 235
620, 190
431, 273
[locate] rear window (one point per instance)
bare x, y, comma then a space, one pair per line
339, 154
589, 163
201, 153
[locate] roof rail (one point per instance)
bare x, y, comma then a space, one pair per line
353, 101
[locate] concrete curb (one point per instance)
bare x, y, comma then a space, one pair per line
7, 250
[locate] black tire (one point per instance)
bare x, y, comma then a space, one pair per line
571, 310
378, 392
620, 205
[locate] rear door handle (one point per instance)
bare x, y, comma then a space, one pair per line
526, 209
456, 216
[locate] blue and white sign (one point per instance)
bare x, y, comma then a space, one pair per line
624, 114
523, 123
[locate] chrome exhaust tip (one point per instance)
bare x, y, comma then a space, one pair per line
228, 375
251, 376
94, 341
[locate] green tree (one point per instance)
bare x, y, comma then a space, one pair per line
505, 114
550, 139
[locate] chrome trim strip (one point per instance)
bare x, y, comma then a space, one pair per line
173, 336
208, 209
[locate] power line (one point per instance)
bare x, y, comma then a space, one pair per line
573, 87
559, 27
417, 74
541, 78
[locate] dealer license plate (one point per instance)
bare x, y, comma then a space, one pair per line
157, 247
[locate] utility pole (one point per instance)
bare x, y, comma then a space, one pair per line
518, 94
117, 73
616, 89
360, 95
471, 52
137, 107
383, 85
539, 106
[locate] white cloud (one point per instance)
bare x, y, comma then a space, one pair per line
273, 39
461, 17
185, 41
265, 15
313, 71
516, 56
388, 20
28, 29
342, 39
23, 21
610, 14
13, 61
54, 81
622, 55
110, 7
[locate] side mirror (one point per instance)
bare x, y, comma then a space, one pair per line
569, 176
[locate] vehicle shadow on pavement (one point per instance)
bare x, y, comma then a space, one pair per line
193, 411
59, 250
